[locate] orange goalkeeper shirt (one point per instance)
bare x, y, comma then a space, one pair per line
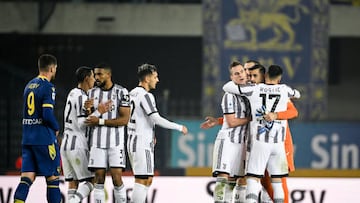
290, 113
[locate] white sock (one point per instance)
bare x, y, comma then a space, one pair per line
253, 188
75, 199
220, 189
239, 193
99, 193
278, 192
120, 194
228, 191
139, 193
264, 196
71, 193
82, 192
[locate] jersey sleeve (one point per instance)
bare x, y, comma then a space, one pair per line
228, 104
124, 98
290, 113
48, 107
148, 104
158, 120
80, 110
293, 93
245, 90
220, 120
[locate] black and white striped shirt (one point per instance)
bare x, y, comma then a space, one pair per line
240, 106
105, 136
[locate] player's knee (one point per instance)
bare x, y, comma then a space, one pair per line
117, 179
100, 176
276, 180
149, 182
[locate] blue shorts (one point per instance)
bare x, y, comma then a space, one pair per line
44, 160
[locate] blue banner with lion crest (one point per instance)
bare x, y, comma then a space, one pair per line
289, 33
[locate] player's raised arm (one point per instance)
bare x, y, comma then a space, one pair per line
233, 88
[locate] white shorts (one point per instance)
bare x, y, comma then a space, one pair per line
265, 155
228, 157
142, 161
75, 164
107, 158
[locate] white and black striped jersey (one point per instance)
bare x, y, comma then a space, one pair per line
105, 136
269, 98
240, 106
75, 131
141, 127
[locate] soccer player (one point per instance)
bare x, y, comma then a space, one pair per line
141, 136
257, 74
247, 65
230, 145
107, 139
266, 137
74, 147
40, 150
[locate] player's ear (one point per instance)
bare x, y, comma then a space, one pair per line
147, 78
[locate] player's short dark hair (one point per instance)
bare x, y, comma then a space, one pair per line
46, 60
274, 71
260, 67
253, 61
144, 70
82, 72
103, 66
234, 63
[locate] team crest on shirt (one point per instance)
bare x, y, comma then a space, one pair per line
53, 93
126, 98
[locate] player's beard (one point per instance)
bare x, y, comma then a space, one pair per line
99, 84
95, 84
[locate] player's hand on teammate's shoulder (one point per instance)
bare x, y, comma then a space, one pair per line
184, 130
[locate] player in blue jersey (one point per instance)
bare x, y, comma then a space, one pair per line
40, 150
